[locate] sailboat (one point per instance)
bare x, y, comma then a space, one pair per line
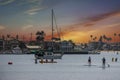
45, 54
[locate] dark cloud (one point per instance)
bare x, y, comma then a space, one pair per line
5, 2
51, 3
88, 25
94, 19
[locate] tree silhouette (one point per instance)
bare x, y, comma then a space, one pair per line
119, 37
94, 38
8, 36
40, 38
105, 38
17, 36
114, 36
91, 37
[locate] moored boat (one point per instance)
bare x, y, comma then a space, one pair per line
48, 55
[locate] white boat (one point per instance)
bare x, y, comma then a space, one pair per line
17, 50
48, 55
94, 52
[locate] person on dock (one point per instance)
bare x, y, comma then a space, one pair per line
108, 65
41, 61
46, 61
117, 53
112, 59
116, 59
103, 62
52, 60
35, 61
89, 61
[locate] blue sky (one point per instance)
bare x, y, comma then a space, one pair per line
80, 17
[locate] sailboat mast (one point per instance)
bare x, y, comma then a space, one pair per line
52, 29
52, 25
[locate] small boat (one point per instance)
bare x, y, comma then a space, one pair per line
48, 55
47, 62
17, 50
82, 52
10, 63
94, 52
76, 52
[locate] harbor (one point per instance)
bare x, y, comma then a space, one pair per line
59, 39
68, 68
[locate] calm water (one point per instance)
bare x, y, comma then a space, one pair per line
70, 67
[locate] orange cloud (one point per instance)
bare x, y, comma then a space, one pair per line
90, 22
96, 25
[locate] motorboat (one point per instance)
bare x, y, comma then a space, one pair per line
48, 55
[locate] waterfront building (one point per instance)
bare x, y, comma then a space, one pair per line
11, 44
67, 46
1, 44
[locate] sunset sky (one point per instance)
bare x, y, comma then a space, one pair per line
76, 19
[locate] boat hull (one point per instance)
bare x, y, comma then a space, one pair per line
49, 55
77, 52
82, 52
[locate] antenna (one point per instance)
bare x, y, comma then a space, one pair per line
31, 36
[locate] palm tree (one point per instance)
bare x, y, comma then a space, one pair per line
95, 38
119, 37
17, 36
91, 37
8, 36
114, 36
104, 37
40, 38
